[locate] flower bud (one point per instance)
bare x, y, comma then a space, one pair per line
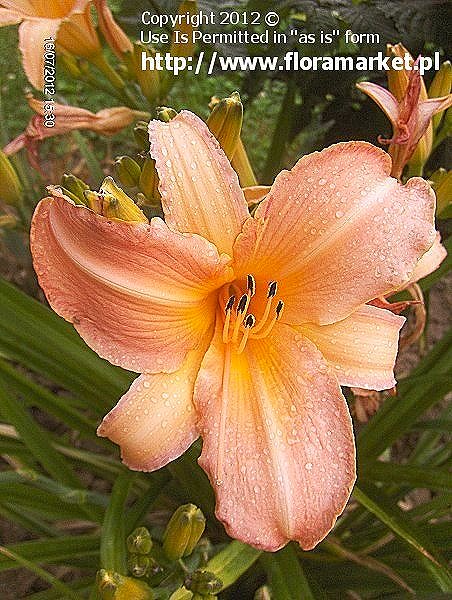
204, 582
181, 594
440, 86
113, 203
139, 565
112, 32
442, 184
8, 221
183, 531
128, 171
148, 79
225, 122
148, 183
75, 188
113, 586
263, 593
10, 186
398, 79
187, 7
165, 114
141, 133
139, 541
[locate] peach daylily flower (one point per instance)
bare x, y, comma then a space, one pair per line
107, 121
67, 21
244, 327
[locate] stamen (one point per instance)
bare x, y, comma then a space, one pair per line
230, 303
241, 306
272, 289
251, 285
249, 323
241, 309
228, 308
278, 311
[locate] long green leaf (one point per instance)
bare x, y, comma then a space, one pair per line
231, 562
34, 568
376, 501
418, 477
399, 413
36, 395
36, 337
64, 549
286, 577
35, 438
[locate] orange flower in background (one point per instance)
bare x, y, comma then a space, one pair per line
244, 327
410, 110
107, 121
113, 34
67, 21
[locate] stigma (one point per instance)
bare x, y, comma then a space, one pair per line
241, 325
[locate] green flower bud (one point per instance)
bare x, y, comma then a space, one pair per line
204, 582
225, 122
8, 222
185, 29
148, 79
440, 86
181, 594
113, 586
76, 188
128, 171
139, 541
140, 131
148, 183
263, 593
165, 113
442, 184
113, 203
138, 565
183, 531
10, 187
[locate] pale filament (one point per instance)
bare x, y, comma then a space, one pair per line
246, 323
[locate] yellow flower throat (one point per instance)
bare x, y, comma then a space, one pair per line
240, 325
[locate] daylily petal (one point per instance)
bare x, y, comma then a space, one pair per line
255, 193
361, 348
383, 97
32, 34
155, 421
429, 262
138, 294
112, 32
9, 17
336, 232
277, 439
200, 190
428, 109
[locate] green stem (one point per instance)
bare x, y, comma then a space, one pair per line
93, 164
116, 81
